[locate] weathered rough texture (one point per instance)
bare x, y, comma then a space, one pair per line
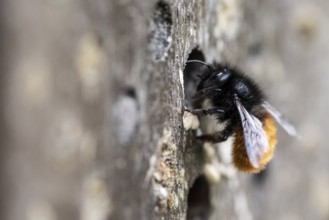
91, 121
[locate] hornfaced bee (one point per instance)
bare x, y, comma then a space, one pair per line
238, 103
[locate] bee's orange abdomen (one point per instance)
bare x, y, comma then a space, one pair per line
239, 154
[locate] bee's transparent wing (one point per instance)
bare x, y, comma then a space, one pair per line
283, 121
255, 139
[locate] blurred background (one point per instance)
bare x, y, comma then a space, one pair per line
290, 55
77, 127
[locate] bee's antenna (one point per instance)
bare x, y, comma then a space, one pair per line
198, 61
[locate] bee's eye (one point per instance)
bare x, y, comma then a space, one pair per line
218, 75
223, 75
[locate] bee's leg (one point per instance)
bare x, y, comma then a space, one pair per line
202, 112
206, 92
210, 91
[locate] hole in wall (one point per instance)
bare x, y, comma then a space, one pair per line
191, 79
125, 115
196, 54
160, 37
130, 92
199, 206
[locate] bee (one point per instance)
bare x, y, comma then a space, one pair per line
236, 102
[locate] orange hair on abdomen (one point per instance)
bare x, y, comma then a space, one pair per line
239, 154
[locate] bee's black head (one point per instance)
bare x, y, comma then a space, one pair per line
230, 81
215, 78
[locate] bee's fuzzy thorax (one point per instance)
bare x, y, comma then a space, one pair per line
239, 154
